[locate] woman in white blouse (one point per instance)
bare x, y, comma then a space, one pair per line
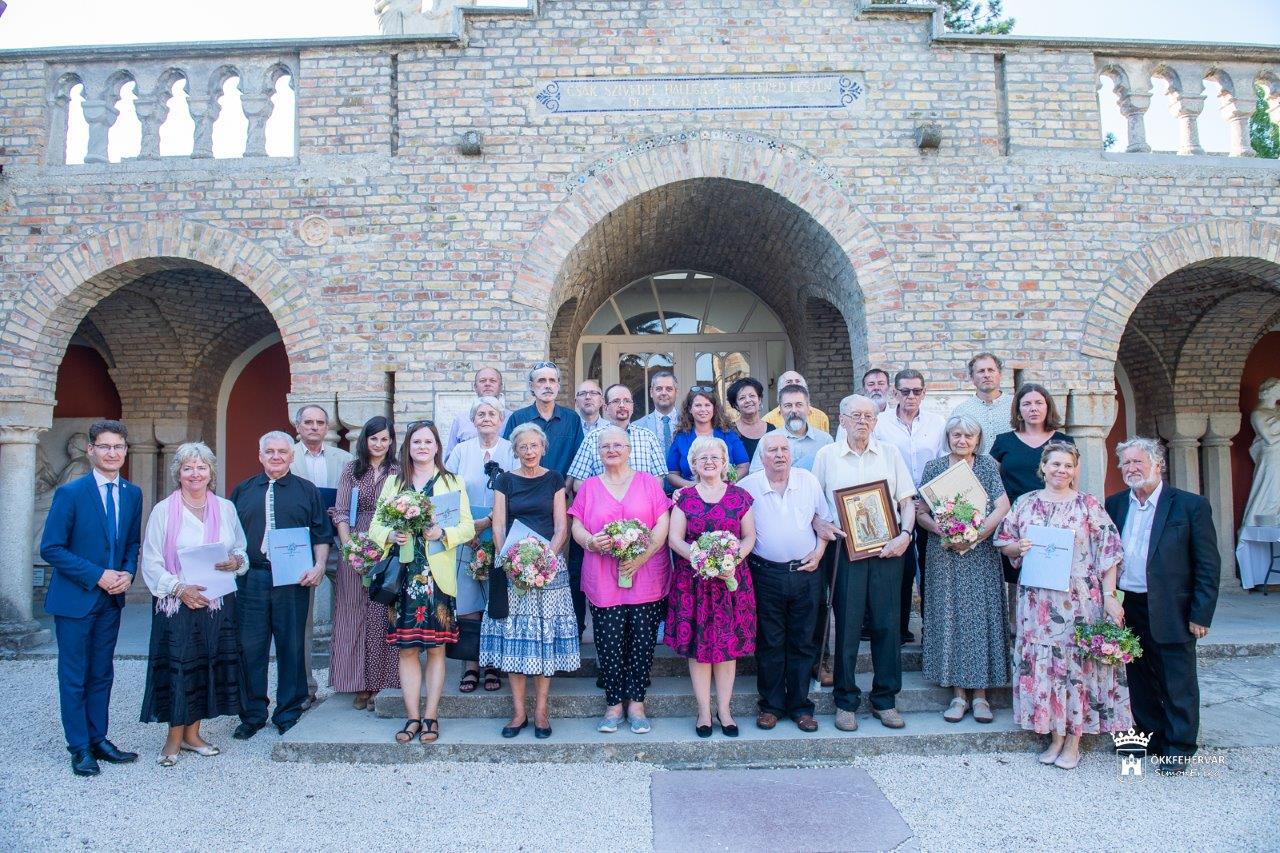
193, 668
473, 460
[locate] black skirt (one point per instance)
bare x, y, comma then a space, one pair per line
193, 670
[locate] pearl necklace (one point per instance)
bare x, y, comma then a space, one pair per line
190, 505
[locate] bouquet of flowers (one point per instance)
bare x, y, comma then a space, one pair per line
408, 512
361, 552
960, 521
481, 560
628, 540
530, 564
715, 555
1108, 643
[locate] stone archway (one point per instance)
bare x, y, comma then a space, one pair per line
599, 194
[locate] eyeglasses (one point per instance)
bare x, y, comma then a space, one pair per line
910, 392
588, 393
858, 416
111, 448
619, 401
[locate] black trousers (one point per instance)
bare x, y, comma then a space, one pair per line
574, 560
266, 613
1163, 690
871, 587
625, 635
912, 561
787, 607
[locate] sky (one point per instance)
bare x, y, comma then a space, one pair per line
40, 23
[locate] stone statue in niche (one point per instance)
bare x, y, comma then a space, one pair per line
62, 456
1263, 506
414, 17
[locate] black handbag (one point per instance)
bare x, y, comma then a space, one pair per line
386, 578
468, 645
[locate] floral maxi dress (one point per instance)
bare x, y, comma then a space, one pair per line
1057, 688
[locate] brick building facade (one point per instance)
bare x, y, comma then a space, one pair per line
446, 206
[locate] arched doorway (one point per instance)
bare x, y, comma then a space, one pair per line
1184, 352
716, 278
707, 329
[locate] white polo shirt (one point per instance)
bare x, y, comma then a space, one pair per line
784, 522
838, 466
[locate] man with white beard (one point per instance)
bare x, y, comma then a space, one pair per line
804, 438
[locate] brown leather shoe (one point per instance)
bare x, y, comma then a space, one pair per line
889, 718
766, 720
806, 723
826, 677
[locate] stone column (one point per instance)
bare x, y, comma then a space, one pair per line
355, 409
152, 110
100, 114
1215, 455
1237, 112
20, 428
1090, 415
170, 433
1183, 430
1186, 109
1133, 107
144, 463
257, 110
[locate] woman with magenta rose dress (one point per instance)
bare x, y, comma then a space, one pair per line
707, 622
1057, 689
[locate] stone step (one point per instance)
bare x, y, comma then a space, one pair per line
335, 732
668, 696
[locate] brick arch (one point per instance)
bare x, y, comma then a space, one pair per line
45, 317
1228, 243
1212, 360
799, 179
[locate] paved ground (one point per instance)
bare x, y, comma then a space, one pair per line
243, 800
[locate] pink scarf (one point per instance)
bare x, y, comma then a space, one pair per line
212, 533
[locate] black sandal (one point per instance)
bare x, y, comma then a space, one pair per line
407, 734
430, 731
492, 679
470, 681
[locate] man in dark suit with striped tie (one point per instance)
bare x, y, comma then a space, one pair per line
91, 540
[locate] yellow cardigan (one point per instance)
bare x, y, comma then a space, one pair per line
443, 565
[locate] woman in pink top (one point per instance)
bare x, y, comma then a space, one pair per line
628, 600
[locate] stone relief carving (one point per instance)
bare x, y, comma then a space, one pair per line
1263, 507
61, 457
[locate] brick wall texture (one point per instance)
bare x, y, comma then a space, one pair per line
1017, 235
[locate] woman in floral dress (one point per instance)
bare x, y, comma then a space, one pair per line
707, 623
1057, 689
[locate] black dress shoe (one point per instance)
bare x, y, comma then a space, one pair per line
540, 733
244, 731
107, 751
284, 727
512, 731
730, 731
83, 763
703, 731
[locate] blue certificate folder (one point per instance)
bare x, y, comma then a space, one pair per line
447, 510
290, 554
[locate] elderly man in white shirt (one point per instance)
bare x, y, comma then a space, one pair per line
871, 585
919, 437
788, 586
322, 465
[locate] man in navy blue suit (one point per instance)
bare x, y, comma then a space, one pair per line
91, 540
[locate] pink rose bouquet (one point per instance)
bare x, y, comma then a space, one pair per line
715, 555
1108, 643
628, 539
481, 561
408, 512
361, 552
960, 521
530, 564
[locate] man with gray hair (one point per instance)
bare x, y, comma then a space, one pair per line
322, 464
1169, 580
870, 586
805, 438
486, 383
276, 499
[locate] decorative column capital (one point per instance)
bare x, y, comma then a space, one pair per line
1091, 412
20, 434
1222, 427
1183, 428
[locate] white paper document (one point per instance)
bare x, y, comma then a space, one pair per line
198, 568
519, 530
1048, 563
291, 556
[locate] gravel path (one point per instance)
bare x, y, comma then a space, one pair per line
243, 800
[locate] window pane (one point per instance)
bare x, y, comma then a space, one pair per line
634, 371
721, 369
683, 303
776, 351
728, 308
637, 306
591, 360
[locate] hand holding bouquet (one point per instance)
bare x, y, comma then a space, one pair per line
481, 561
361, 552
408, 513
960, 523
1108, 643
529, 563
715, 555
628, 540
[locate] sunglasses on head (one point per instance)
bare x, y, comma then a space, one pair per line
420, 424
543, 365
703, 389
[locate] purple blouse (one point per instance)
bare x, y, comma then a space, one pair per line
595, 507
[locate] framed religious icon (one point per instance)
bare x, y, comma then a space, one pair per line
867, 517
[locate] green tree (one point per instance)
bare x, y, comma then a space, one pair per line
1264, 135
975, 16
